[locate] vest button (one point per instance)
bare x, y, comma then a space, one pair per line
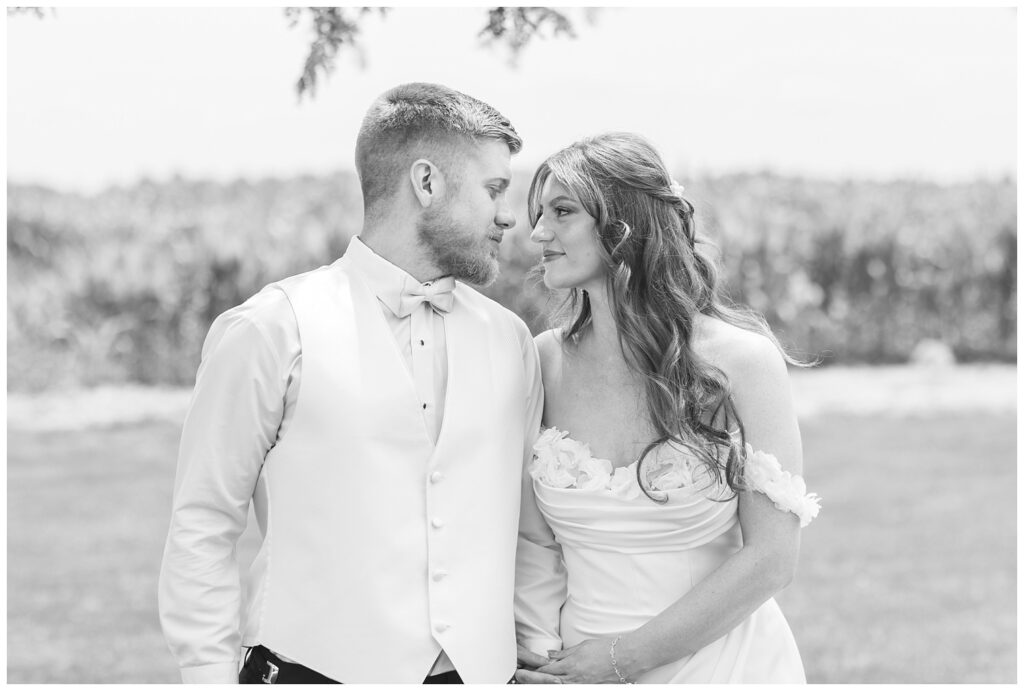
441, 628
439, 574
437, 523
436, 476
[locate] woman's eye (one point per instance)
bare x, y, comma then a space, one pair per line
559, 212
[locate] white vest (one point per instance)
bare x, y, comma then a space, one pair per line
380, 548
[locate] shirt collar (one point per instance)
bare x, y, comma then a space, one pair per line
384, 279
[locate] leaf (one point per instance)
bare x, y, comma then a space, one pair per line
333, 28
515, 27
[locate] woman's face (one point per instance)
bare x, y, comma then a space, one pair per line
568, 235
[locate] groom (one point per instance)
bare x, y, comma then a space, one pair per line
377, 414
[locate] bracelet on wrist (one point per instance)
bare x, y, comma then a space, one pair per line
615, 664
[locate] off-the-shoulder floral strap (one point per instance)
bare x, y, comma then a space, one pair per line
763, 473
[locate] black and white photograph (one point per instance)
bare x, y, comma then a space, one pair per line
512, 345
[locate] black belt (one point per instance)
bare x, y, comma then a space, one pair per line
263, 667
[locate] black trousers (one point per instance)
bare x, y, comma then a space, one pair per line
263, 667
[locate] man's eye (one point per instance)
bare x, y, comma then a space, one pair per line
494, 192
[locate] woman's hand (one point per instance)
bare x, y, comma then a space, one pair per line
590, 662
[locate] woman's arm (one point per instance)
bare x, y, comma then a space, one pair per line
764, 565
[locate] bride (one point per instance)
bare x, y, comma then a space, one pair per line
663, 506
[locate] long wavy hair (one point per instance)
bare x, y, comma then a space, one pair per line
662, 273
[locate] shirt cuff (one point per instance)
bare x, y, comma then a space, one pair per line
541, 646
219, 673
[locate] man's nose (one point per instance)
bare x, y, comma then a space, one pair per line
505, 218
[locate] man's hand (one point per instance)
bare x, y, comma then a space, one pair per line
586, 663
528, 662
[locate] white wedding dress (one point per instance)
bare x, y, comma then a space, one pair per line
629, 558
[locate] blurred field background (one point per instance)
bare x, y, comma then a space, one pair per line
908, 576
122, 285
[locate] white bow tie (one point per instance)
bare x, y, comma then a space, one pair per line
438, 294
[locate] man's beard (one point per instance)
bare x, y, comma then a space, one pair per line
461, 254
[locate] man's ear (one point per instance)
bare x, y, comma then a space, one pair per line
427, 182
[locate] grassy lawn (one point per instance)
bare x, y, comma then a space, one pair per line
908, 574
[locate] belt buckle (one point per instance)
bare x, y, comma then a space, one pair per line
271, 676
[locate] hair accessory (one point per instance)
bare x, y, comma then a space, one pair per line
615, 665
676, 188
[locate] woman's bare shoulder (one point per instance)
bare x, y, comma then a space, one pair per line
759, 387
549, 347
738, 352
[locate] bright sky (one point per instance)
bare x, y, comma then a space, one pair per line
100, 96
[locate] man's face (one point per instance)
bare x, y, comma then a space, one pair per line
463, 230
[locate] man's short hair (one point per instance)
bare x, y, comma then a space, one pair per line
420, 120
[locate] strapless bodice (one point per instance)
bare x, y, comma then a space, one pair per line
603, 508
616, 521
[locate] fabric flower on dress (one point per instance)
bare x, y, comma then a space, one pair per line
669, 476
669, 467
562, 462
571, 453
763, 473
557, 458
594, 473
548, 437
545, 460
556, 476
623, 483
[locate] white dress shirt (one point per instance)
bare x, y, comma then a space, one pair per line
250, 375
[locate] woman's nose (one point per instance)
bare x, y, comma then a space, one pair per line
539, 234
